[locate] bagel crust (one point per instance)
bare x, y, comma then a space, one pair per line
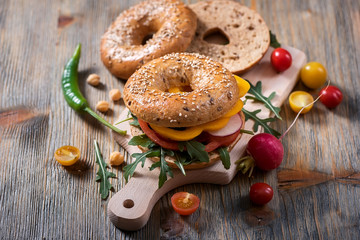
212, 91
245, 29
170, 22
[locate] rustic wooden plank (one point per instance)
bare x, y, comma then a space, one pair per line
41, 199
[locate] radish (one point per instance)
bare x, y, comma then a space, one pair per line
265, 150
234, 124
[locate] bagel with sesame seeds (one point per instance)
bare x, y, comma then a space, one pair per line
186, 102
206, 91
144, 32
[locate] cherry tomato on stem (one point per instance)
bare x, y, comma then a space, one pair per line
261, 193
331, 96
313, 75
300, 99
281, 59
185, 203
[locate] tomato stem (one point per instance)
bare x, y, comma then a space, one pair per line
297, 116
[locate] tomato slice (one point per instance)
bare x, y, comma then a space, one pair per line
67, 155
185, 203
168, 144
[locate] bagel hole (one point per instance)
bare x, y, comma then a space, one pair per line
216, 36
147, 38
185, 88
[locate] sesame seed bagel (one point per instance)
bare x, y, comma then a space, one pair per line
124, 46
207, 91
247, 34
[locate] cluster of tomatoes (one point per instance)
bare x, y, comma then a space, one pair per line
314, 76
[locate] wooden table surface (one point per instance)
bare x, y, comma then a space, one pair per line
316, 188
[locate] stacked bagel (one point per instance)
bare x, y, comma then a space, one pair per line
180, 86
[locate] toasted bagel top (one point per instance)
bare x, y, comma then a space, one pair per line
207, 91
169, 24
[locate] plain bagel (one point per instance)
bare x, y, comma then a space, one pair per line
247, 34
207, 91
144, 32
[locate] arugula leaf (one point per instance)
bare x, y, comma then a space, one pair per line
103, 174
256, 91
181, 146
225, 157
180, 161
126, 119
247, 132
273, 41
139, 157
135, 121
197, 151
141, 140
262, 122
164, 167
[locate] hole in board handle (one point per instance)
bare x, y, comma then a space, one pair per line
128, 203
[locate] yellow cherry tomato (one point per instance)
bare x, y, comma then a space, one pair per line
313, 75
67, 155
300, 99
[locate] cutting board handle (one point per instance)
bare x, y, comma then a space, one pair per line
130, 208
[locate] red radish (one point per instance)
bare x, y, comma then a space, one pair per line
234, 124
266, 150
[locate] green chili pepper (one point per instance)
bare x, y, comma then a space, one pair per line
72, 92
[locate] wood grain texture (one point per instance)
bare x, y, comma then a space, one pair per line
40, 199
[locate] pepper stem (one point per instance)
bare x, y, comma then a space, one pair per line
103, 121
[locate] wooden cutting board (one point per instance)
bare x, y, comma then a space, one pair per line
130, 208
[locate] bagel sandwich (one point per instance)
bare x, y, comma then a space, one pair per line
188, 106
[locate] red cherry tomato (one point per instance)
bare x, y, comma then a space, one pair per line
331, 96
168, 144
261, 193
281, 59
185, 203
